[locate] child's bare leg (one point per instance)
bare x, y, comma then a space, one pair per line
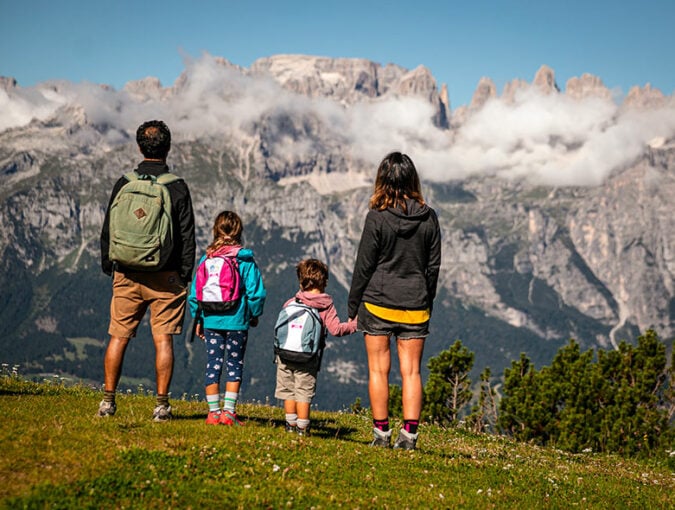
211, 389
303, 410
290, 407
303, 416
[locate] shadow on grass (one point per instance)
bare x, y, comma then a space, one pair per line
319, 428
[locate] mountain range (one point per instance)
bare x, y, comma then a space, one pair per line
556, 206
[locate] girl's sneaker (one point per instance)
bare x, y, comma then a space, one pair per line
213, 418
230, 418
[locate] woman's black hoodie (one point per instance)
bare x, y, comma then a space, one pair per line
398, 259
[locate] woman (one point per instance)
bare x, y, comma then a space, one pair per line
392, 291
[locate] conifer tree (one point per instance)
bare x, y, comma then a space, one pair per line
621, 403
634, 419
484, 415
525, 411
448, 389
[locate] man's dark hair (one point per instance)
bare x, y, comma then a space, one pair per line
154, 139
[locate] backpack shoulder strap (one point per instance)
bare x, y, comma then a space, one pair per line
167, 178
131, 176
313, 311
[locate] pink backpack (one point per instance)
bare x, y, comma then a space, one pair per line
218, 283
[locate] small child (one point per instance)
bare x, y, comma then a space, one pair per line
226, 332
296, 382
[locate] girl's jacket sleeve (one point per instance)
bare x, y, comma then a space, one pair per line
253, 283
192, 296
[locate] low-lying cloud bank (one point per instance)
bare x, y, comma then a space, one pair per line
549, 139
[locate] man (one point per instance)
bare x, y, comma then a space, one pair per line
163, 289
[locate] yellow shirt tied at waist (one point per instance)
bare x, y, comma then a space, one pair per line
400, 316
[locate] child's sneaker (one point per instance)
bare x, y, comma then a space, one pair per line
405, 441
290, 428
213, 418
106, 409
381, 438
303, 432
229, 418
162, 413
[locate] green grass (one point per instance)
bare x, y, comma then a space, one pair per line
57, 454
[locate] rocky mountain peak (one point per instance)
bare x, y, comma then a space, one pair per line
586, 86
342, 79
544, 80
644, 97
350, 80
147, 88
512, 87
7, 83
485, 90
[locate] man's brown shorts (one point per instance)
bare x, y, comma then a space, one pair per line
133, 293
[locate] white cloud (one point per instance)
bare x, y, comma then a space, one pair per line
547, 139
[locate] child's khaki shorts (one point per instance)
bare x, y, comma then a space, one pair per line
161, 291
296, 382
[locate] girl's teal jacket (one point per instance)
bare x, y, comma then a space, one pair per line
252, 297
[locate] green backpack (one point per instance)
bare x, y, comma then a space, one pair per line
141, 229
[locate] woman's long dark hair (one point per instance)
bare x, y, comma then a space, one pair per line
396, 181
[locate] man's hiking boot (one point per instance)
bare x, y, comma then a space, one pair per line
213, 418
106, 409
229, 418
405, 441
162, 413
380, 438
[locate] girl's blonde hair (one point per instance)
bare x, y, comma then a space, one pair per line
227, 231
396, 181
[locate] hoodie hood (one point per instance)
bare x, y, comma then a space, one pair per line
318, 301
406, 222
227, 251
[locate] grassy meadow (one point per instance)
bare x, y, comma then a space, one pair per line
57, 454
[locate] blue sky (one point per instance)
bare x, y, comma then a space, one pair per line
624, 43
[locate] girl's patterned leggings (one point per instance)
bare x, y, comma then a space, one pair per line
224, 348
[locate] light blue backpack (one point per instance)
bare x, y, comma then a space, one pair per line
298, 333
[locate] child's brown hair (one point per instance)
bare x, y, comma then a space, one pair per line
312, 274
227, 230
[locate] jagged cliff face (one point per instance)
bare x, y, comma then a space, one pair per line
526, 264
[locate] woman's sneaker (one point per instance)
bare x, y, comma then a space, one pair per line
229, 418
405, 441
213, 418
381, 439
106, 409
162, 413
